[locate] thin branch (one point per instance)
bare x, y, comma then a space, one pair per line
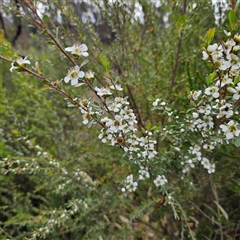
204, 214
215, 193
175, 68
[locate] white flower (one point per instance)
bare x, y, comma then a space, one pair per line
103, 92
118, 103
234, 60
160, 181
20, 62
155, 102
129, 178
230, 130
205, 109
205, 162
227, 33
237, 37
211, 168
224, 65
225, 110
224, 81
194, 149
116, 87
78, 50
236, 91
87, 115
190, 163
132, 186
195, 94
195, 115
115, 125
105, 136
209, 145
213, 91
143, 173
73, 75
207, 121
236, 48
229, 44
89, 74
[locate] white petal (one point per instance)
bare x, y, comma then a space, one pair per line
74, 81
26, 62
84, 47
79, 84
205, 55
66, 79
212, 48
229, 135
85, 54
69, 49
81, 74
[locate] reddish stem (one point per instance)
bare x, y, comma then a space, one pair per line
233, 4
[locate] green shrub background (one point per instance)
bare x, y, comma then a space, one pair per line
38, 129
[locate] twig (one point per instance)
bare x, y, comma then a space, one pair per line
217, 200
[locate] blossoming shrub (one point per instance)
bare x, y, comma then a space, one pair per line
172, 142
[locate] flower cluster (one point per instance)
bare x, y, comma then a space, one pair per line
214, 116
219, 101
221, 97
119, 128
194, 156
131, 186
117, 119
214, 112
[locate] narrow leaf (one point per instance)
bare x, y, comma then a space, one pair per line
50, 42
210, 35
232, 19
84, 62
45, 18
222, 210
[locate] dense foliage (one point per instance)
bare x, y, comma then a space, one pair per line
67, 172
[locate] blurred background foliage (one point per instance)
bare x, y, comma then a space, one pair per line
51, 162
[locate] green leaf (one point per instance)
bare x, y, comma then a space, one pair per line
155, 128
84, 62
210, 78
236, 80
34, 36
45, 18
90, 124
105, 62
51, 43
150, 98
222, 210
232, 19
236, 142
5, 46
149, 125
202, 38
210, 35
